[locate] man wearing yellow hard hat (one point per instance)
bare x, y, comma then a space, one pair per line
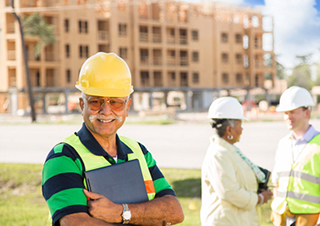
105, 83
296, 173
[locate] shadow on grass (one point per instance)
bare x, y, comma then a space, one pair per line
190, 188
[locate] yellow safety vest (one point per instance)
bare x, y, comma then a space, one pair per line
92, 161
299, 188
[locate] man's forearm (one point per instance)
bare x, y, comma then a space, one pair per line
82, 219
161, 211
157, 212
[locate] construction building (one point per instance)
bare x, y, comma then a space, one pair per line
180, 54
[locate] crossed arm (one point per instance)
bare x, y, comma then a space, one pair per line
157, 212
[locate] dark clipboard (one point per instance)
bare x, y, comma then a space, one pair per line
264, 185
121, 183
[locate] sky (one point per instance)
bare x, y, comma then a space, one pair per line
296, 27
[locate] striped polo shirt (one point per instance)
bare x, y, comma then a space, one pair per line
63, 175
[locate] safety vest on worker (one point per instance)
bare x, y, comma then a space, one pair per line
299, 188
92, 161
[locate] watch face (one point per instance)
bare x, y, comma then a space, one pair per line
127, 215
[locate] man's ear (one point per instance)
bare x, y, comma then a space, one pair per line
128, 106
81, 103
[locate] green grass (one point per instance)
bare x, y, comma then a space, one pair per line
21, 202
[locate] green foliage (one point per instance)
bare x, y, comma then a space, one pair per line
301, 76
317, 81
36, 26
280, 70
301, 73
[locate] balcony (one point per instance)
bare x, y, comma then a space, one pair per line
183, 61
171, 40
48, 3
103, 36
156, 38
8, 3
157, 60
143, 37
183, 40
171, 61
28, 3
11, 55
10, 28
144, 60
32, 57
51, 56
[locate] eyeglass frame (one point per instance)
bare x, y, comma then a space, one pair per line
108, 101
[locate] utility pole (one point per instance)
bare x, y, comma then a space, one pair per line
25, 57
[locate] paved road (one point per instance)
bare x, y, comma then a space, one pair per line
178, 145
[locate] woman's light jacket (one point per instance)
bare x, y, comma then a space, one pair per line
229, 187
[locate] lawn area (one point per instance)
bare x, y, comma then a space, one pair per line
21, 202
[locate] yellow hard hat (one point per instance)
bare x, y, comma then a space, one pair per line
105, 74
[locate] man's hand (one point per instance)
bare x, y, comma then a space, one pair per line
102, 208
159, 211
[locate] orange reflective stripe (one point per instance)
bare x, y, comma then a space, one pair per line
149, 186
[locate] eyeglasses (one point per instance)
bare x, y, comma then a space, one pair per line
116, 104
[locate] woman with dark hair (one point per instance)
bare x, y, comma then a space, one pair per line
229, 179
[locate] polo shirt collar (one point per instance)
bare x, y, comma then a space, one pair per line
88, 140
311, 132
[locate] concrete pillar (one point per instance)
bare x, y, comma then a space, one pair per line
248, 97
132, 102
268, 98
44, 103
228, 91
151, 100
218, 93
189, 100
14, 101
165, 97
66, 95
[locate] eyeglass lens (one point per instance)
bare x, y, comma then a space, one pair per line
115, 104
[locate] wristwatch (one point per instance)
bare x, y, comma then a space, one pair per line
126, 214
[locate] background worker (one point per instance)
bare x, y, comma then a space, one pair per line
296, 171
105, 83
229, 179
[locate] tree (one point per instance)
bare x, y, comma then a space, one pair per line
301, 73
280, 70
26, 66
36, 26
317, 81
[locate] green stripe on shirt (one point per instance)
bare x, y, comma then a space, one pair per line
150, 161
161, 184
65, 198
59, 165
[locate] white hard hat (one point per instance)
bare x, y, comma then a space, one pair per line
293, 98
226, 108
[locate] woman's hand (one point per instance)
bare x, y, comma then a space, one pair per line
267, 194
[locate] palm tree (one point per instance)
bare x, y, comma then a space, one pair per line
26, 66
36, 26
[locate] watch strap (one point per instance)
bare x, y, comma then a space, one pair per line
125, 209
